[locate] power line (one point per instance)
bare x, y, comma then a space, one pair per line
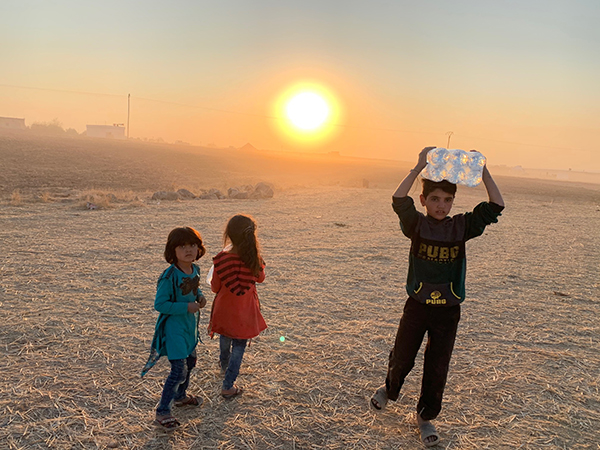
264, 116
209, 108
61, 90
142, 98
528, 145
449, 134
167, 102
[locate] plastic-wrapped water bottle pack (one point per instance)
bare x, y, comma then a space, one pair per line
455, 166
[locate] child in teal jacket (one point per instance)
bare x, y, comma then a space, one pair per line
178, 300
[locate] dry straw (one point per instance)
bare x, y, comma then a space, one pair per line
76, 295
525, 370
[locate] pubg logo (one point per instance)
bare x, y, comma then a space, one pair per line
435, 299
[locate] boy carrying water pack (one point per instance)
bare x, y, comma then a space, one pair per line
435, 286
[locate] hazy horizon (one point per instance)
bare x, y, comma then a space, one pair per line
516, 80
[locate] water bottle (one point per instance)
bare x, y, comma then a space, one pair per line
455, 166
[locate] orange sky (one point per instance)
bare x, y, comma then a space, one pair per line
516, 80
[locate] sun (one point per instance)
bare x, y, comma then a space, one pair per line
306, 114
307, 110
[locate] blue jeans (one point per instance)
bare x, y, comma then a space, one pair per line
176, 383
232, 352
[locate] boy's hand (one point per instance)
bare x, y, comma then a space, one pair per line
202, 301
193, 307
423, 158
405, 185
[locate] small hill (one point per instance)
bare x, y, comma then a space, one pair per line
248, 148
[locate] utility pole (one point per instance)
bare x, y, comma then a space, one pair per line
128, 97
449, 133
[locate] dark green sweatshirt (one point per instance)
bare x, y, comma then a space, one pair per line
437, 260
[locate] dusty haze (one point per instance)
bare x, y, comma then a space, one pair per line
517, 82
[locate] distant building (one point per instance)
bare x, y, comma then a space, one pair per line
106, 131
12, 123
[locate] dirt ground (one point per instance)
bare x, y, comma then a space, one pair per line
77, 289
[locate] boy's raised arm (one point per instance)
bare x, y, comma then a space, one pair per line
491, 188
405, 185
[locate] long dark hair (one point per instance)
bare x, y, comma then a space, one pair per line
241, 231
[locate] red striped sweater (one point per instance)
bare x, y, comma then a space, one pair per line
236, 309
233, 273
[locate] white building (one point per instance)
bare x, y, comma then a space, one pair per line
12, 123
106, 131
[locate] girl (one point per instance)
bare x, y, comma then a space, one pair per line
178, 299
235, 314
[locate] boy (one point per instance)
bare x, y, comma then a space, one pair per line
435, 285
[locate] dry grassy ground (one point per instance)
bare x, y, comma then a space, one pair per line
77, 288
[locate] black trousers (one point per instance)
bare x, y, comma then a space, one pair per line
441, 324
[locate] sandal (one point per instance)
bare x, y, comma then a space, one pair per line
380, 398
168, 423
189, 400
231, 393
428, 431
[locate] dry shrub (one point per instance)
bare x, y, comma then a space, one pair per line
45, 197
100, 200
15, 198
135, 203
105, 199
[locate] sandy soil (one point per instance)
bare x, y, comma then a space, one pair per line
77, 289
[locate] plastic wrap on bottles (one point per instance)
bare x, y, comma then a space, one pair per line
209, 275
455, 166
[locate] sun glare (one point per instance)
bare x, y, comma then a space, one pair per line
306, 114
307, 110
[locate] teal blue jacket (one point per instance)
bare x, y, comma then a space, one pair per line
176, 331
